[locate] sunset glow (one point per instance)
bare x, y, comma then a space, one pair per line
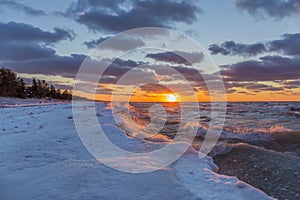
252, 64
171, 98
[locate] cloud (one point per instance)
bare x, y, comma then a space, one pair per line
177, 57
119, 44
232, 48
277, 9
55, 65
152, 73
14, 31
254, 87
291, 84
20, 51
279, 69
289, 44
108, 4
250, 87
117, 68
268, 68
155, 88
19, 6
101, 89
67, 66
19, 41
119, 16
244, 92
82, 5
181, 74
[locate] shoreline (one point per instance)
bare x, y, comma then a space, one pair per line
10, 102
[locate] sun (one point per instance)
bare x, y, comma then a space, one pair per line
171, 98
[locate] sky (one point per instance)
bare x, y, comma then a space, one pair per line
253, 45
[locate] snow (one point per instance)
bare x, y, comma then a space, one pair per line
200, 177
17, 102
42, 157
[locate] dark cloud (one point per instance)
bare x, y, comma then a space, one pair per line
187, 75
80, 6
106, 3
94, 43
155, 88
268, 68
15, 32
191, 74
56, 65
19, 41
278, 69
67, 66
230, 91
251, 87
166, 88
20, 51
101, 89
118, 67
276, 8
19, 6
177, 57
116, 43
232, 48
289, 44
291, 84
255, 87
61, 86
119, 15
244, 92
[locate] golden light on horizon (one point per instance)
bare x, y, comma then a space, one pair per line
171, 98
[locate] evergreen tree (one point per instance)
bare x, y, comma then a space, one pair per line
58, 94
8, 82
45, 89
66, 95
12, 86
34, 88
52, 92
21, 88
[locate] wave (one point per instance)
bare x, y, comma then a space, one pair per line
196, 173
159, 128
294, 113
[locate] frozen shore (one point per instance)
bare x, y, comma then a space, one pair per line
42, 157
18, 102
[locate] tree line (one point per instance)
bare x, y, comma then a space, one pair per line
13, 86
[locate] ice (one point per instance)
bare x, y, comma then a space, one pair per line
42, 157
15, 102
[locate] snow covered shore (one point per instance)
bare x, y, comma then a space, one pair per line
42, 157
18, 102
